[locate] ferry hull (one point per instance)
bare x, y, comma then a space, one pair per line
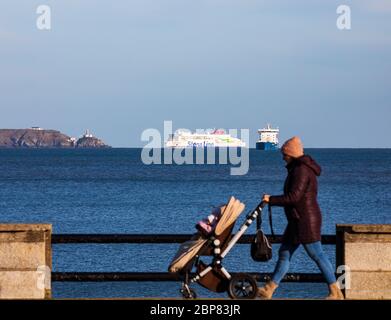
266, 146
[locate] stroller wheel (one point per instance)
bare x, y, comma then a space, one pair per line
242, 286
188, 293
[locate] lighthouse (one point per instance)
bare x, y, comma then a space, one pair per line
87, 134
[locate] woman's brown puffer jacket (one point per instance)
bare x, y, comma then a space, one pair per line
300, 201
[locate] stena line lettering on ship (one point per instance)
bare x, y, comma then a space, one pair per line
204, 144
185, 147
184, 138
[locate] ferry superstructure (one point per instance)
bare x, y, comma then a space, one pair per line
268, 138
183, 138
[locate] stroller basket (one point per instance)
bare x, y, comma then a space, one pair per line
214, 276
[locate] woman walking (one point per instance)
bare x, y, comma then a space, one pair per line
304, 218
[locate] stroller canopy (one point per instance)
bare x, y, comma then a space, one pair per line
232, 211
189, 249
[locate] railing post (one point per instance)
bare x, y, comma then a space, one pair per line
25, 261
364, 251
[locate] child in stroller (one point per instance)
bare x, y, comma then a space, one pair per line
214, 238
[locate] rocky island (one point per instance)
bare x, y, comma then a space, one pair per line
41, 138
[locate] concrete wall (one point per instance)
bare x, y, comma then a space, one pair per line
25, 261
366, 251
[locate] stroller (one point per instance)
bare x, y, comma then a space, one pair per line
217, 244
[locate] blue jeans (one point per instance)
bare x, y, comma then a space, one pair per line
315, 252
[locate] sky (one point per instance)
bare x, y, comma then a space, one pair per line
120, 67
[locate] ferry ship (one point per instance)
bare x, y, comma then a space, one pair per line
184, 138
268, 138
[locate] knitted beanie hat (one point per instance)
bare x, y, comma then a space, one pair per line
293, 147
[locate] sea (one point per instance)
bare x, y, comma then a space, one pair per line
112, 191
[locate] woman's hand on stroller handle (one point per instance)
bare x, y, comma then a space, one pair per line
266, 198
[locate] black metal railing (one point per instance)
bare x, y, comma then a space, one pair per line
154, 238
159, 276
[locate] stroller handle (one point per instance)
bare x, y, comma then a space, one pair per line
262, 205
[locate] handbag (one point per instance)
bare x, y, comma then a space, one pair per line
261, 249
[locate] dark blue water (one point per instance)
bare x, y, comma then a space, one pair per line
112, 191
